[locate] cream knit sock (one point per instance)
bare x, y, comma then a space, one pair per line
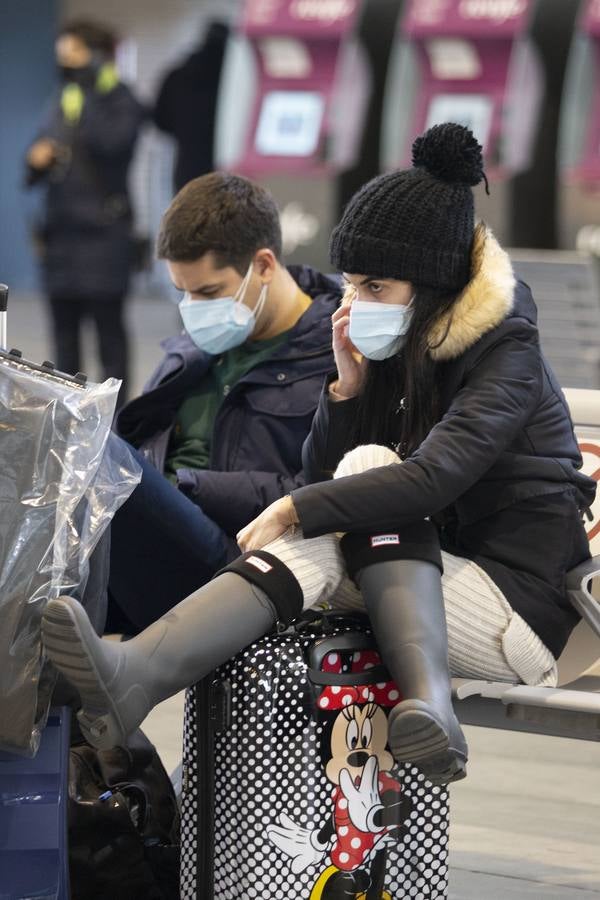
317, 563
367, 456
486, 637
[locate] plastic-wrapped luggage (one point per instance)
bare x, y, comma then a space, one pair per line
289, 789
62, 477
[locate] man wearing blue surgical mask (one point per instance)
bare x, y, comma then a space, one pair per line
226, 413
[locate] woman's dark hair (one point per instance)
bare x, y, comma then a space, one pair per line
399, 402
95, 36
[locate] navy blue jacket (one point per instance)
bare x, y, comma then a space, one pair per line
256, 447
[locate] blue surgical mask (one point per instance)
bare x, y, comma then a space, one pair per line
216, 326
378, 330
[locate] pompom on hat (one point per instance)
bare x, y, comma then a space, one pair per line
417, 224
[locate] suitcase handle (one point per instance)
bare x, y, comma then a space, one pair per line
48, 369
338, 643
348, 641
327, 619
376, 675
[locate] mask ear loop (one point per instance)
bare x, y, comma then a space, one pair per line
241, 291
262, 297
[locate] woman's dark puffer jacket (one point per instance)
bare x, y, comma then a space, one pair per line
499, 472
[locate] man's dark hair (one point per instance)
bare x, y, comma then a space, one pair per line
95, 36
223, 214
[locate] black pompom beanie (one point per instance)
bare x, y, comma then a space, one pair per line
416, 225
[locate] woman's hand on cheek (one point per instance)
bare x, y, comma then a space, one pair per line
268, 526
351, 366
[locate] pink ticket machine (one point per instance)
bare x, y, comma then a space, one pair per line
292, 107
579, 156
472, 62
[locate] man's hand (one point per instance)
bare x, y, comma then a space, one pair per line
42, 154
271, 524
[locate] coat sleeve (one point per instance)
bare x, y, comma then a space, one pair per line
233, 499
329, 437
495, 401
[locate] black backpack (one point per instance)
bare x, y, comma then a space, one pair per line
123, 823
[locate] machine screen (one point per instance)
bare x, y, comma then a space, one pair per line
289, 123
474, 111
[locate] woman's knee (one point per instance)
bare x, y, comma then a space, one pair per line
317, 563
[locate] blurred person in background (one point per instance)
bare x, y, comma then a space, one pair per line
82, 156
186, 106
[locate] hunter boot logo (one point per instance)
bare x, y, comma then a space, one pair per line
384, 540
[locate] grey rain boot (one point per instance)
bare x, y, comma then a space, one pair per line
405, 605
119, 683
404, 601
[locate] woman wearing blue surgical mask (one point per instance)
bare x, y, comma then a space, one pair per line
456, 486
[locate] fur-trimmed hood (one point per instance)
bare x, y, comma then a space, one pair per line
485, 302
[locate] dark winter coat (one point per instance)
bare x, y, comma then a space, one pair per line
186, 106
499, 472
261, 424
86, 230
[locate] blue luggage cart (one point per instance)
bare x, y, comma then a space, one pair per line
33, 817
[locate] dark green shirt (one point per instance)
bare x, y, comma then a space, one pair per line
189, 447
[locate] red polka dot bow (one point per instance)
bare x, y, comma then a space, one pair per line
334, 696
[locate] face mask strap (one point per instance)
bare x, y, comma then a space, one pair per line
241, 291
262, 297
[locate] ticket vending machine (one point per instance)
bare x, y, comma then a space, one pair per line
291, 111
472, 62
579, 149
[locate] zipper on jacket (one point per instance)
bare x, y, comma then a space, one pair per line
205, 831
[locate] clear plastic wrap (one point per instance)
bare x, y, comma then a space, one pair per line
63, 475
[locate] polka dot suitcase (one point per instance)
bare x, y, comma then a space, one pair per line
289, 789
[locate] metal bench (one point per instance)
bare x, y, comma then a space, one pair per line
572, 709
565, 285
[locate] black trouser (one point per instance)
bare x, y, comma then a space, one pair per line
107, 313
